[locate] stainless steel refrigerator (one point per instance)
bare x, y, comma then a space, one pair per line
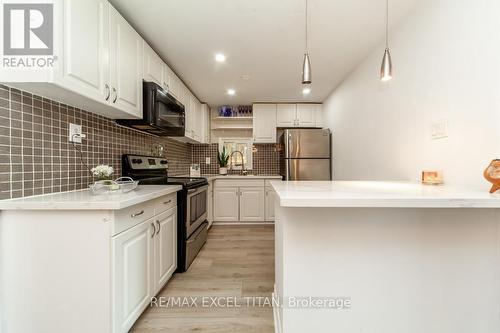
306, 154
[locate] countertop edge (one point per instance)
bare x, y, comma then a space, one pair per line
20, 205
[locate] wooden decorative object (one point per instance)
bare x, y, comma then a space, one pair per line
432, 177
492, 174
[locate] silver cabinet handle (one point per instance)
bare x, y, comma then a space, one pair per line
154, 230
106, 86
116, 95
167, 202
159, 226
137, 214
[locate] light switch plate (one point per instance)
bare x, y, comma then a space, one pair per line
75, 129
207, 160
439, 129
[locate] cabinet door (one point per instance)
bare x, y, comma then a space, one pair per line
264, 123
252, 204
132, 258
306, 115
165, 248
286, 115
86, 37
210, 204
226, 204
190, 116
126, 65
153, 66
270, 198
319, 115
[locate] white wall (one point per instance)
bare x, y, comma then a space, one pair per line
446, 57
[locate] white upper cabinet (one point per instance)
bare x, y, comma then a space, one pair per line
153, 66
306, 115
286, 115
264, 123
299, 115
125, 64
85, 39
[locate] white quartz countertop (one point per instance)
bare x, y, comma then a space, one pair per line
85, 200
212, 177
380, 194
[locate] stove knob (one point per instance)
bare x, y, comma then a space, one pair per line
163, 162
136, 161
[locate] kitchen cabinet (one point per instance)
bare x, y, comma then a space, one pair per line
251, 204
210, 203
144, 257
286, 115
132, 258
226, 204
154, 68
98, 62
242, 200
270, 199
306, 115
299, 115
264, 123
165, 248
125, 64
85, 66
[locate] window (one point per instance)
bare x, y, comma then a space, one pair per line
244, 146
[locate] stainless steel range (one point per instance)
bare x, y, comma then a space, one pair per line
192, 222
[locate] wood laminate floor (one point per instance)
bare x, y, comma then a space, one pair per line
236, 263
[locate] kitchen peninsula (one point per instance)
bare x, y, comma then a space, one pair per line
410, 258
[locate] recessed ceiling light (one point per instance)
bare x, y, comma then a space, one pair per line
219, 57
306, 90
231, 92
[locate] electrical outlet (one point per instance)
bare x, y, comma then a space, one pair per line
439, 129
207, 160
75, 133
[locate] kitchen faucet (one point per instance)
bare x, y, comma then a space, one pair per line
242, 161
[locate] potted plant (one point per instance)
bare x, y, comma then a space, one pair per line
223, 159
103, 173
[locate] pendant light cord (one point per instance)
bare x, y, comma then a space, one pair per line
307, 51
387, 24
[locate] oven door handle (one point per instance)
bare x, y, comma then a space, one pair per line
198, 189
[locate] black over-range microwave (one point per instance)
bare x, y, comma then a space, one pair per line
163, 115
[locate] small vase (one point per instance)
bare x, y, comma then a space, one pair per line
222, 170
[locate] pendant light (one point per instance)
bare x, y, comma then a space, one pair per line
386, 68
306, 65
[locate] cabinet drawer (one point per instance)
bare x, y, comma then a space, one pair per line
238, 182
130, 216
164, 203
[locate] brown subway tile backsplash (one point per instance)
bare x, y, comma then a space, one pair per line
36, 157
265, 159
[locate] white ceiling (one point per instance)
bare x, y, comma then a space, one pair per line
263, 39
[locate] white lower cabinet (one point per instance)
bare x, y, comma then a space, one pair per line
132, 259
165, 248
144, 257
226, 204
242, 201
270, 199
210, 203
251, 204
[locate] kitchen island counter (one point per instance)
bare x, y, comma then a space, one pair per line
409, 258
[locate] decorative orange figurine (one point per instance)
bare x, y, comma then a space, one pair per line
492, 174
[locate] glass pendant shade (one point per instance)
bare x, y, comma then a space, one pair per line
306, 70
386, 68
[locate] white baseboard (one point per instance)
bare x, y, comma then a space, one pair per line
243, 223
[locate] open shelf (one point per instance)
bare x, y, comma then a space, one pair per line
232, 118
232, 128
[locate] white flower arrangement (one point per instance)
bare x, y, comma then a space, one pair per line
102, 171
